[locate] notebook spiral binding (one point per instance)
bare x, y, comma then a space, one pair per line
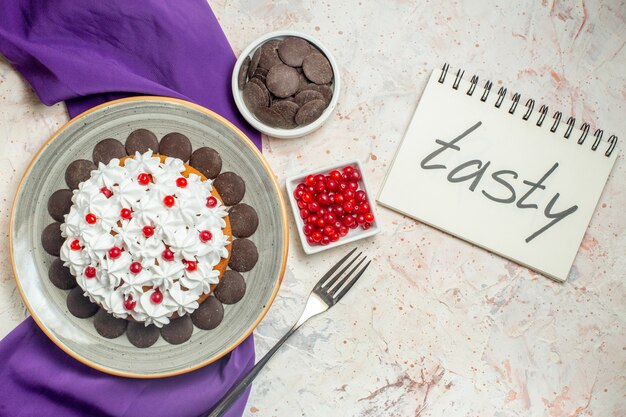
530, 105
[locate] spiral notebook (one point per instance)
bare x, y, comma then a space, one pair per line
499, 171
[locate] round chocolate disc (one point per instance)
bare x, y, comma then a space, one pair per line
176, 145
178, 331
269, 54
107, 149
244, 255
243, 220
141, 336
231, 187
209, 315
59, 204
206, 160
141, 140
305, 96
283, 80
254, 62
77, 172
243, 72
108, 326
324, 90
293, 50
231, 288
61, 276
288, 110
254, 96
317, 68
310, 111
51, 239
79, 305
270, 117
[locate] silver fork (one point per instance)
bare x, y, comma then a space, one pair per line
326, 293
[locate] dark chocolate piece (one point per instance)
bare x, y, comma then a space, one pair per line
324, 90
243, 220
231, 288
77, 172
243, 72
269, 54
270, 117
305, 96
206, 160
310, 111
230, 187
282, 80
59, 204
254, 96
254, 62
79, 305
176, 145
288, 110
293, 50
142, 336
61, 276
178, 331
141, 140
108, 326
244, 255
51, 239
317, 68
209, 315
107, 149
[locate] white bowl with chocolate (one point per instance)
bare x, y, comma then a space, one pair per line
286, 84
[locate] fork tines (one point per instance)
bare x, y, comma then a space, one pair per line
337, 285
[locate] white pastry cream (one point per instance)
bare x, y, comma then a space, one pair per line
145, 225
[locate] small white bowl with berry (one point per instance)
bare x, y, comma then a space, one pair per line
332, 206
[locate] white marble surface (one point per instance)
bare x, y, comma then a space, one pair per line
437, 327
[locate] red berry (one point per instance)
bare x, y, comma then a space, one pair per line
320, 187
322, 212
329, 230
338, 210
345, 177
115, 252
307, 197
90, 218
143, 179
192, 266
168, 255
90, 272
334, 237
310, 190
356, 175
310, 241
297, 194
335, 175
205, 236
300, 187
349, 194
331, 184
348, 170
343, 230
353, 226
301, 204
312, 219
125, 213
349, 221
309, 180
342, 187
148, 231
330, 218
211, 202
360, 219
107, 193
169, 201
331, 199
325, 241
369, 217
323, 199
319, 178
181, 182
360, 196
339, 198
135, 267
348, 206
129, 303
75, 245
353, 186
366, 226
308, 229
321, 222
316, 236
337, 225
364, 208
304, 213
156, 297
313, 206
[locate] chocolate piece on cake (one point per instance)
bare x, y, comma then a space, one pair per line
59, 204
141, 140
231, 187
142, 336
107, 149
176, 145
108, 326
244, 255
51, 239
61, 276
77, 172
178, 331
231, 288
209, 315
243, 220
79, 305
207, 161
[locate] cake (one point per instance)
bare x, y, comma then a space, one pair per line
147, 237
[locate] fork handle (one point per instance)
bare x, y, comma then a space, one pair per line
235, 392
